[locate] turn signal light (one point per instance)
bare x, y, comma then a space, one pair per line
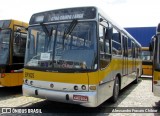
155, 82
92, 87
3, 75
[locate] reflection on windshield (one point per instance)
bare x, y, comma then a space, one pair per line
4, 45
76, 51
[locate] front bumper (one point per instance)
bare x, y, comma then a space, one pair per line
61, 96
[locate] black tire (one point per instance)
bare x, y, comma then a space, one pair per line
116, 90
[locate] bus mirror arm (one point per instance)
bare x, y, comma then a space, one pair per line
100, 20
108, 33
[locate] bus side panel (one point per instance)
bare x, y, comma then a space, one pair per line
136, 73
12, 79
1, 82
106, 79
139, 67
156, 87
131, 72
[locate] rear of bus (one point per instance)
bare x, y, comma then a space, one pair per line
146, 61
12, 50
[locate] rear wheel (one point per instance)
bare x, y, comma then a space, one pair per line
115, 90
137, 75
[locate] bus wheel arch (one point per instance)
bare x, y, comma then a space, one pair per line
116, 88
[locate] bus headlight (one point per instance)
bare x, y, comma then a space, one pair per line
92, 87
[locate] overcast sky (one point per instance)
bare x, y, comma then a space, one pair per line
127, 13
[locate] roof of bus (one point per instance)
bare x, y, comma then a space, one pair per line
17, 22
21, 23
105, 16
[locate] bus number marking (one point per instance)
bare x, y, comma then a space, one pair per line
30, 75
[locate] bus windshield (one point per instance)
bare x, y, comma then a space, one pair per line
70, 45
146, 55
4, 45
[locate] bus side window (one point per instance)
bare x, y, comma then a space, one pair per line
125, 46
133, 49
129, 48
104, 43
116, 43
137, 52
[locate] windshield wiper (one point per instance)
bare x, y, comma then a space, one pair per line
45, 29
69, 30
49, 34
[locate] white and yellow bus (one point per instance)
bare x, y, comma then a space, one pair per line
155, 47
80, 56
13, 36
146, 61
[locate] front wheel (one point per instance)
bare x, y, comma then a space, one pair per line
115, 90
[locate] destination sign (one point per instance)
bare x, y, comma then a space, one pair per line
64, 14
67, 17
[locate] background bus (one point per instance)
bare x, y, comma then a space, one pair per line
155, 47
146, 61
13, 37
79, 56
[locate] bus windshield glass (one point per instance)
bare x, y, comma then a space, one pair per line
4, 45
70, 45
146, 55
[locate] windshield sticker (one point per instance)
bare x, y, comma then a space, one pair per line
45, 56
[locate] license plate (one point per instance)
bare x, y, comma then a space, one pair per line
80, 98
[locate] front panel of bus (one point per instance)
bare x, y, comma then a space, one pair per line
146, 62
156, 66
12, 49
61, 59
